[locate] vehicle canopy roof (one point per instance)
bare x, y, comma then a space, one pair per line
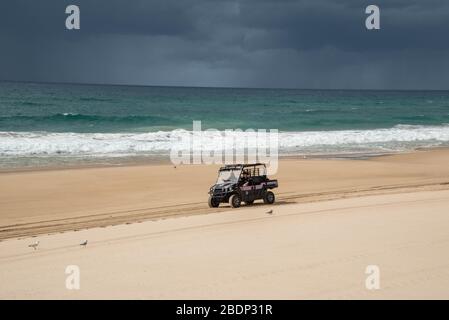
252, 170
240, 166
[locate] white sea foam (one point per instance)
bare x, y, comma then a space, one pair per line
398, 138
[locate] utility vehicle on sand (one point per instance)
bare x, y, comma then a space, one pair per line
242, 183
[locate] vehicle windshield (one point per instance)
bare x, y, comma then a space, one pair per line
225, 176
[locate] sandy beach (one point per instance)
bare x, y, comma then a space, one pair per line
152, 235
330, 118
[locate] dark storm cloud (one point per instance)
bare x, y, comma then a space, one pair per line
315, 24
271, 43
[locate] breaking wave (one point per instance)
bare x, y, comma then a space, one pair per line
398, 138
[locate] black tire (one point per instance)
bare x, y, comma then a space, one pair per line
235, 201
248, 203
269, 197
213, 203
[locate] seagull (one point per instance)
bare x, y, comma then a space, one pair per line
270, 212
34, 245
84, 243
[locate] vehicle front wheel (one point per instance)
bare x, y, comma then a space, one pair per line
269, 198
213, 203
235, 201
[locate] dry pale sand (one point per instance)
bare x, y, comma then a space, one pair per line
333, 218
311, 250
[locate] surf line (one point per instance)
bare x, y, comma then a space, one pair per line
204, 311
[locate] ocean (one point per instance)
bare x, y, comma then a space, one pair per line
51, 124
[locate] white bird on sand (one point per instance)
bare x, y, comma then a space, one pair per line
34, 245
84, 243
270, 212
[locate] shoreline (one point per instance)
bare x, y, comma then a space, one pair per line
152, 160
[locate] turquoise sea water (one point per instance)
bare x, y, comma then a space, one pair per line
61, 120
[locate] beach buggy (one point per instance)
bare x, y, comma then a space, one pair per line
242, 183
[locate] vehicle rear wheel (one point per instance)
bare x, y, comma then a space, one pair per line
235, 201
248, 203
213, 203
269, 197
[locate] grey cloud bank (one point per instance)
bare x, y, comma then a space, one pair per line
266, 43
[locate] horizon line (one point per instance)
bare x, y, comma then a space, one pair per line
206, 87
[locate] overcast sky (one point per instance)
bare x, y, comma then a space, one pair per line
252, 43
